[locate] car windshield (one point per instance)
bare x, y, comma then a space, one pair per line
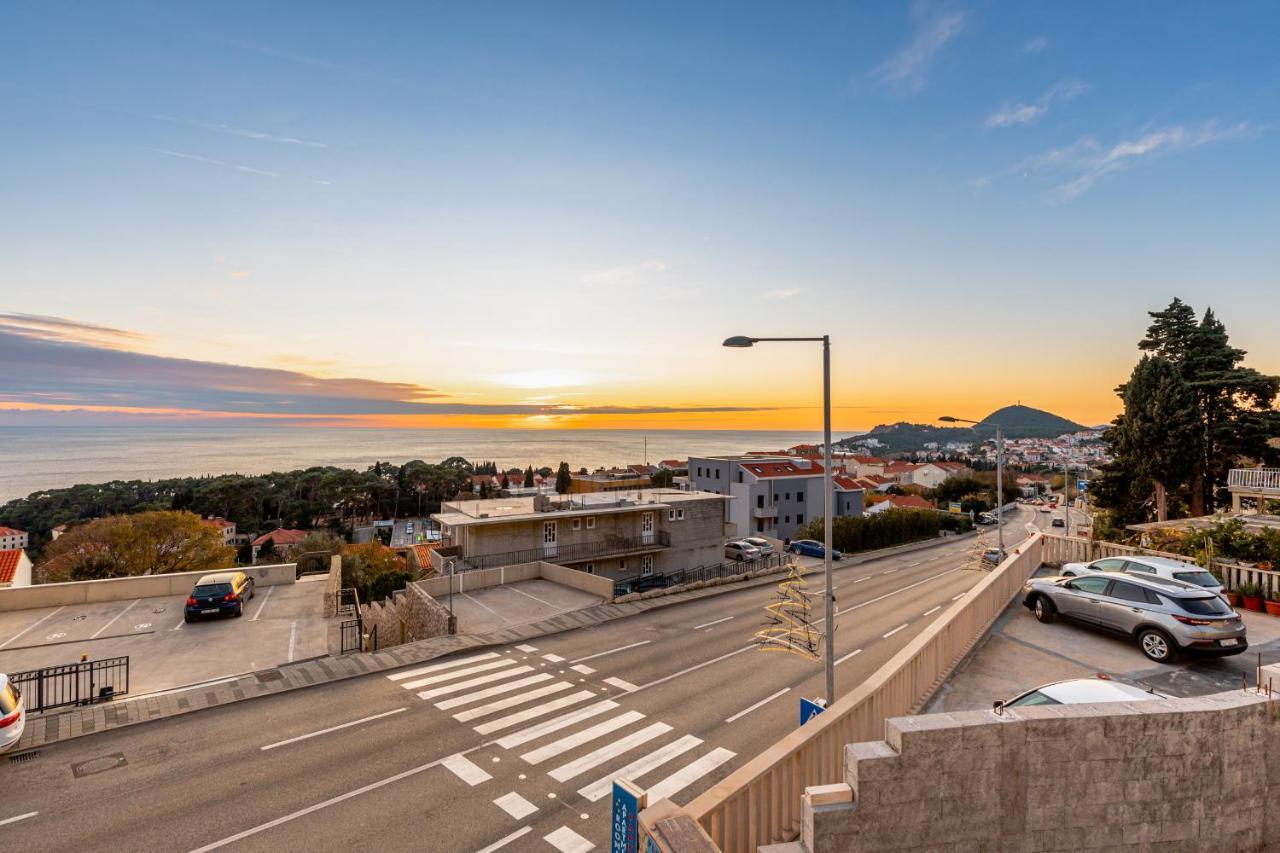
8, 699
1035, 697
1197, 578
212, 589
1208, 606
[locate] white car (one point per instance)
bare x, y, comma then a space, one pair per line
741, 550
13, 717
764, 546
1080, 691
1159, 567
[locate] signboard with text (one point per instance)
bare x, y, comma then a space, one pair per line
628, 800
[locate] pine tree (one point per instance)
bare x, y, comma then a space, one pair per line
564, 480
528, 477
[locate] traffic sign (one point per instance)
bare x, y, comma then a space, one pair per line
810, 708
628, 800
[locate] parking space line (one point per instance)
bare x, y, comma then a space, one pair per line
534, 597
95, 634
178, 627
468, 597
32, 625
332, 729
263, 605
763, 701
17, 818
293, 639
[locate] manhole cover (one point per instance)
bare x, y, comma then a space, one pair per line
98, 765
79, 618
158, 610
142, 626
57, 636
23, 757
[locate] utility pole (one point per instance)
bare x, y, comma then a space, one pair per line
1000, 488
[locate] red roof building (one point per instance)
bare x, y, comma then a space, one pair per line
15, 568
281, 536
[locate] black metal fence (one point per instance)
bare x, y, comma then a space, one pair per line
351, 638
81, 683
729, 568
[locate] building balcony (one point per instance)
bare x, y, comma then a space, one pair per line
764, 512
1255, 481
568, 553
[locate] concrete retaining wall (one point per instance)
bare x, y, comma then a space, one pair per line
484, 578
409, 615
1185, 774
123, 589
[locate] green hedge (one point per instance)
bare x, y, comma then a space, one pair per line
882, 530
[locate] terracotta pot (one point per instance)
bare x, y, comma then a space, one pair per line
1233, 597
1254, 603
1273, 607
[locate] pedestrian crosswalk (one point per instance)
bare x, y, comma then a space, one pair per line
560, 723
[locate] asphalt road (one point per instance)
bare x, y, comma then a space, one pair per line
508, 748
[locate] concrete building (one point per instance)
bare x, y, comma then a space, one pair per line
615, 534
612, 480
15, 568
773, 496
227, 529
11, 538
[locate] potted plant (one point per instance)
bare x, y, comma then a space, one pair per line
1273, 604
1233, 596
1252, 594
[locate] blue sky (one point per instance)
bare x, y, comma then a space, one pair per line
571, 204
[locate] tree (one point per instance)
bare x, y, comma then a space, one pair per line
148, 543
506, 480
564, 479
528, 477
374, 570
663, 478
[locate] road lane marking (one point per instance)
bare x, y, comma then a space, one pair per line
896, 591
17, 818
456, 673
853, 653
709, 624
95, 634
932, 610
332, 729
894, 631
436, 667
566, 840
565, 772
958, 597
473, 682
694, 668
555, 724
512, 701
620, 684
763, 701
582, 668
527, 649
293, 639
610, 651
468, 698
553, 658
507, 839
263, 605
601, 788
465, 769
534, 712
578, 738
690, 773
515, 805
860, 580
32, 625
889, 572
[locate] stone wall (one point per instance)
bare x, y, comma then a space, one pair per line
408, 615
1187, 774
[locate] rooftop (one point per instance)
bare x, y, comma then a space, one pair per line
9, 564
458, 513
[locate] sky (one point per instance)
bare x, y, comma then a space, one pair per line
551, 214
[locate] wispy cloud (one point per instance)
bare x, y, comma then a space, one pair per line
243, 132
627, 274
906, 72
1035, 45
1081, 166
1014, 113
223, 163
783, 293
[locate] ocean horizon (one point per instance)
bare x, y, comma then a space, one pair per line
40, 458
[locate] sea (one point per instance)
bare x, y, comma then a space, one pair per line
34, 459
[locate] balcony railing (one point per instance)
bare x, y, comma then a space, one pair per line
764, 512
576, 552
1261, 479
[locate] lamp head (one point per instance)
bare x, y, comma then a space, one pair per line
739, 341
947, 419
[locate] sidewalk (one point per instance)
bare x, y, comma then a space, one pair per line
52, 728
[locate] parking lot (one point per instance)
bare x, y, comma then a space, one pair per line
280, 624
499, 607
1020, 653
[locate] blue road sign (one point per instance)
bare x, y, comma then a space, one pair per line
1082, 485
809, 709
626, 817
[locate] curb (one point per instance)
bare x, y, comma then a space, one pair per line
57, 727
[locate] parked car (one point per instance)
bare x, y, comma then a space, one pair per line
812, 548
1164, 617
13, 717
1160, 567
1080, 691
764, 546
1058, 521
219, 594
741, 550
987, 518
992, 556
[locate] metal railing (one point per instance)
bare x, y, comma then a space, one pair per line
81, 683
577, 552
1267, 479
351, 636
760, 802
713, 571
347, 602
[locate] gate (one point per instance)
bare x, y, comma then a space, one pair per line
81, 683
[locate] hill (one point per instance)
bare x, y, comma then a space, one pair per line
1018, 422
1026, 422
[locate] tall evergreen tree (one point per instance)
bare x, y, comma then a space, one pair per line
564, 479
528, 477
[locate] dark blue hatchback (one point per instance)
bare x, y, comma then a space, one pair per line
219, 595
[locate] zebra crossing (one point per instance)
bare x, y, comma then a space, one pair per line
558, 723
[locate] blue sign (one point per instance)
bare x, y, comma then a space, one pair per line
625, 830
1082, 485
809, 709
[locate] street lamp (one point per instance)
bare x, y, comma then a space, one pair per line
999, 475
739, 341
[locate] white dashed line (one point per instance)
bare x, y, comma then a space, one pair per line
894, 631
853, 653
763, 701
331, 729
610, 651
932, 610
709, 624
506, 839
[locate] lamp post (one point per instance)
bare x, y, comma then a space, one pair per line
999, 475
825, 340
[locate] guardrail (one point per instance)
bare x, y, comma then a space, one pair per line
81, 683
728, 568
760, 802
1254, 478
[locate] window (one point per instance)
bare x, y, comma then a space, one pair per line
800, 497
775, 497
1128, 592
788, 519
1111, 565
1210, 606
800, 518
788, 496
679, 515
591, 523
717, 473
622, 565
591, 568
1197, 578
671, 515
759, 501
549, 533
646, 566
577, 523
1090, 583
1035, 697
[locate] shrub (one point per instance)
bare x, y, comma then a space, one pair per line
882, 530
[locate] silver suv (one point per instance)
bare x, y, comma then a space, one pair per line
1164, 617
1160, 567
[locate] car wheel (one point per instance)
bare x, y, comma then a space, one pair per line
239, 610
187, 619
1156, 645
1043, 608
